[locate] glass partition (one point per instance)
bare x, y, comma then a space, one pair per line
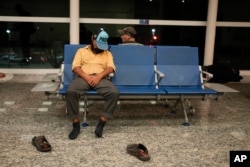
39, 48
51, 32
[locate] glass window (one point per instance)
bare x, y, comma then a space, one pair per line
46, 41
232, 47
44, 8
146, 9
171, 9
39, 48
230, 10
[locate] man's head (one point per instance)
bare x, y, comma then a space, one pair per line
100, 39
127, 34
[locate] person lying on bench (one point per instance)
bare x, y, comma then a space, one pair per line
92, 65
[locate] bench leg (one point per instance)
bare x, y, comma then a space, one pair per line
186, 123
181, 101
174, 106
167, 104
191, 108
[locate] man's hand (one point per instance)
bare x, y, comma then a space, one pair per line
94, 80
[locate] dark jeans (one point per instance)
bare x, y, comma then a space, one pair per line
78, 88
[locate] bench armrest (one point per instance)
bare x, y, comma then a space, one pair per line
207, 76
158, 76
61, 73
159, 73
110, 76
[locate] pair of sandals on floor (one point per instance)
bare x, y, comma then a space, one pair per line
138, 150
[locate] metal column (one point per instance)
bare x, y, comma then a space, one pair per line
74, 21
210, 32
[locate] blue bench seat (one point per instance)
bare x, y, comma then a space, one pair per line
183, 78
149, 73
135, 73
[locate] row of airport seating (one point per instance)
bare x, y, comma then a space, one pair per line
150, 73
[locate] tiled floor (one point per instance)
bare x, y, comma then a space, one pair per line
216, 128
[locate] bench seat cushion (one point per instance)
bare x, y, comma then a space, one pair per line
190, 90
65, 88
131, 90
140, 90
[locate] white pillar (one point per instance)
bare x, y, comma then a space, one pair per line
74, 21
210, 32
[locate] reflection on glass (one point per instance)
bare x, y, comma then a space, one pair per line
45, 47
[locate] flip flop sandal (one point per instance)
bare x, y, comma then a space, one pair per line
139, 151
2, 75
41, 143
